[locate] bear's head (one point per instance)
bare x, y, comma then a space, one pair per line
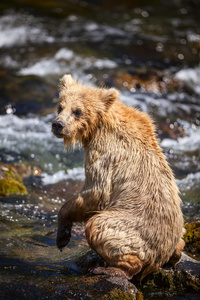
81, 109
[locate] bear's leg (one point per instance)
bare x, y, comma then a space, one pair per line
109, 242
72, 210
174, 259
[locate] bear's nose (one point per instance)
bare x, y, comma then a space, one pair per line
57, 126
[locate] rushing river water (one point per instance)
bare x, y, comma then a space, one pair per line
101, 44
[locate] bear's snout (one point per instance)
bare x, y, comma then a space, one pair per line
57, 127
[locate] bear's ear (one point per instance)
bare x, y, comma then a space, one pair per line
66, 81
110, 96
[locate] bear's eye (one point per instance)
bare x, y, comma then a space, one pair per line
59, 109
77, 113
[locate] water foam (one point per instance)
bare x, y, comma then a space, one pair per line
191, 77
30, 136
75, 174
66, 61
189, 143
191, 181
18, 29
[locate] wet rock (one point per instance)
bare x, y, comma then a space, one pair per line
179, 281
123, 284
31, 175
26, 170
153, 81
192, 239
165, 281
71, 288
189, 265
10, 181
26, 94
170, 130
75, 282
93, 287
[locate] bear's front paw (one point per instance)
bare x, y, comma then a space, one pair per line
63, 237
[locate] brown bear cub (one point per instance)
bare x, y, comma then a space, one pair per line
129, 202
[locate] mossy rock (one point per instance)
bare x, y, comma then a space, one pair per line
170, 281
192, 239
118, 294
184, 278
161, 280
10, 181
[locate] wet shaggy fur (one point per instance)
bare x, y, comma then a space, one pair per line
129, 201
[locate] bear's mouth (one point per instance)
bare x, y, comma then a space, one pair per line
58, 135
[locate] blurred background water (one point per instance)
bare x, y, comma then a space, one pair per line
149, 50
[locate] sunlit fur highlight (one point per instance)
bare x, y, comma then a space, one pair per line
130, 201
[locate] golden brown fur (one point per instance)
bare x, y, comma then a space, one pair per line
129, 200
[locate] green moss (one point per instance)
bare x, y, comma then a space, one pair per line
171, 282
186, 283
10, 181
139, 296
192, 286
160, 280
165, 280
10, 174
118, 294
11, 186
192, 238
